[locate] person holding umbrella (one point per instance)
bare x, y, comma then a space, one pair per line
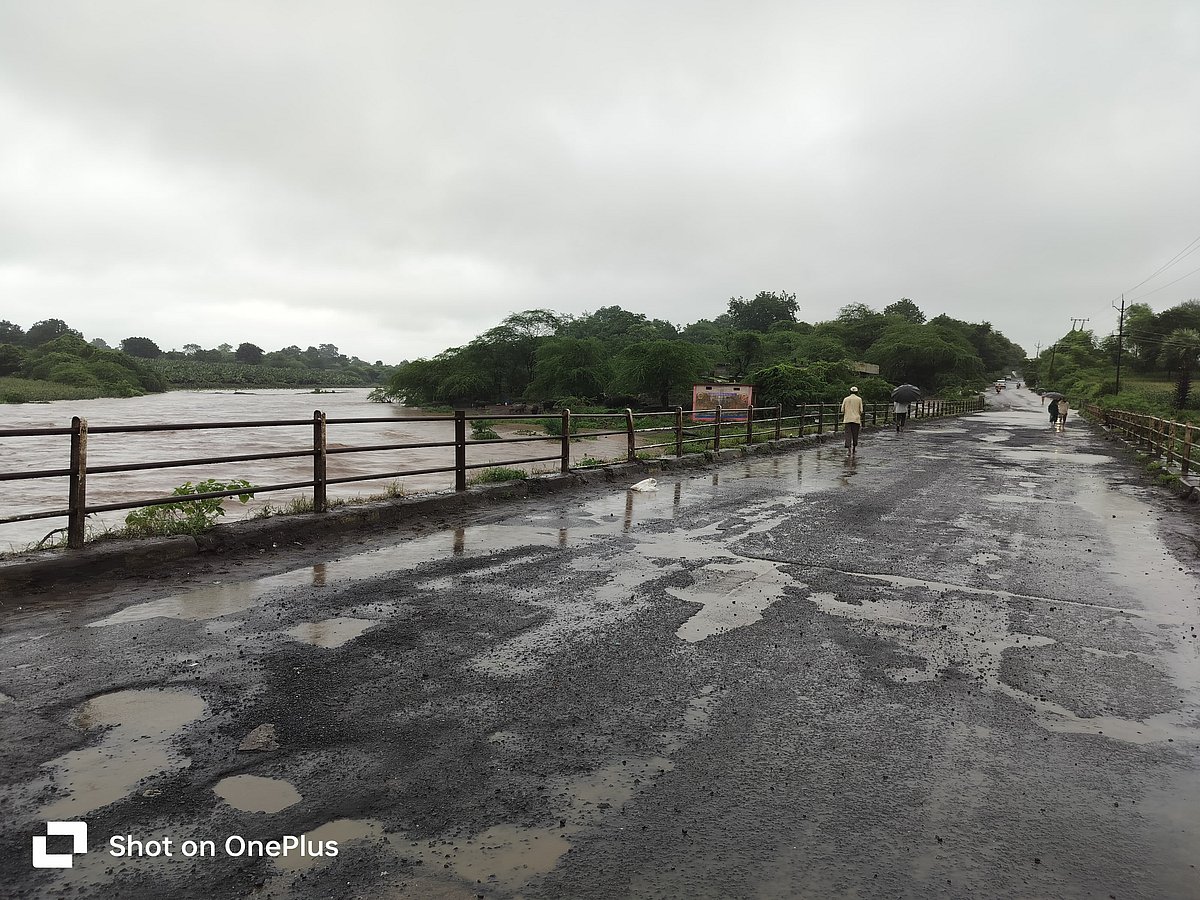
852, 412
901, 398
1054, 397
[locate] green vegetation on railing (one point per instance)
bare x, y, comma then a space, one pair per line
186, 516
497, 475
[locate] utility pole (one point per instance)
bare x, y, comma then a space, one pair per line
1080, 322
1050, 375
1038, 354
1120, 341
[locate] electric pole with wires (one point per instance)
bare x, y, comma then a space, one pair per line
1120, 341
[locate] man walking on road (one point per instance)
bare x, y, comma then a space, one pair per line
852, 411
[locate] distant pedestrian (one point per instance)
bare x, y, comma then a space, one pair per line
1053, 410
1063, 408
900, 414
852, 413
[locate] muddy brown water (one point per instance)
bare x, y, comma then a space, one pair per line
25, 454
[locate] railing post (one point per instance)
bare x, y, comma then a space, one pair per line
1157, 436
320, 458
820, 418
460, 449
1171, 443
803, 419
1185, 462
77, 492
749, 425
566, 441
717, 429
631, 451
778, 421
679, 431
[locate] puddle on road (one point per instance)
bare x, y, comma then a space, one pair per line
136, 746
507, 855
253, 793
966, 633
1018, 498
615, 514
510, 856
731, 595
1054, 455
344, 831
330, 633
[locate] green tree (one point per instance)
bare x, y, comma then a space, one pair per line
47, 330
11, 333
821, 346
859, 327
141, 347
248, 353
905, 309
659, 369
570, 367
918, 354
1141, 337
1181, 353
11, 359
746, 350
766, 309
617, 328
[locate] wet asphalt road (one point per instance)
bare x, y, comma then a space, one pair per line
964, 664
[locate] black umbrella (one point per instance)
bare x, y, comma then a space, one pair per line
1053, 395
906, 393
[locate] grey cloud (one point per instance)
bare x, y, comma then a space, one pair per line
396, 177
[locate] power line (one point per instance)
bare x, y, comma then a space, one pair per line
1168, 284
1194, 245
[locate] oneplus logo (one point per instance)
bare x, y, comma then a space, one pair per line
77, 831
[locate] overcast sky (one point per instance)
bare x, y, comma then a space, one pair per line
396, 177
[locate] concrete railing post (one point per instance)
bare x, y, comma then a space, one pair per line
77, 492
320, 459
460, 449
566, 441
630, 438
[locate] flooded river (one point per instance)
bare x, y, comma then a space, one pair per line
19, 454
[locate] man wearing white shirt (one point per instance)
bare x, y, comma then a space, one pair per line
852, 412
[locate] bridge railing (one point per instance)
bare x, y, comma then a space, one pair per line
644, 432
1162, 438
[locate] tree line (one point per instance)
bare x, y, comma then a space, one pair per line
50, 351
616, 357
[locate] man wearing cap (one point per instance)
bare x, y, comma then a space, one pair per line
852, 412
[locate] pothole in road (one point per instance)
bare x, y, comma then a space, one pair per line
330, 633
339, 831
253, 793
732, 595
137, 745
1053, 454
